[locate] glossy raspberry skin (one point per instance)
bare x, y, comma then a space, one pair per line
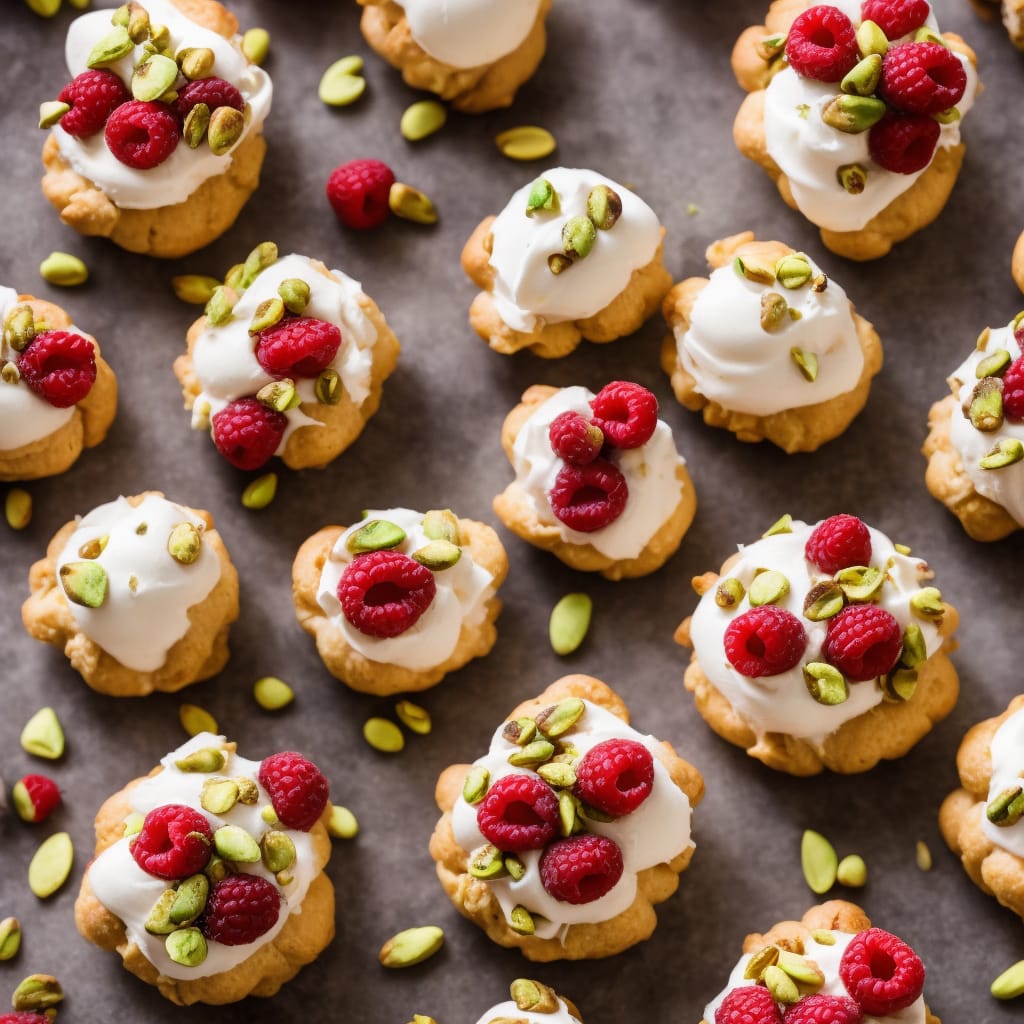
59, 367
1013, 391
837, 543
588, 498
863, 641
35, 797
519, 812
881, 972
299, 346
240, 909
895, 18
93, 96
575, 439
764, 642
922, 78
626, 413
580, 869
214, 92
175, 842
823, 1009
142, 135
749, 1004
615, 776
297, 788
384, 593
903, 143
358, 193
822, 44
247, 433
23, 1017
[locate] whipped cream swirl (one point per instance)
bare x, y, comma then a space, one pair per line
509, 1011
1007, 752
468, 33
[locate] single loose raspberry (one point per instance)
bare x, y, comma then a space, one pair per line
93, 96
580, 869
214, 92
1013, 391
764, 641
626, 413
240, 909
615, 776
175, 842
35, 797
58, 366
358, 193
299, 346
822, 44
922, 78
895, 17
863, 641
749, 1004
297, 788
519, 812
588, 498
575, 439
903, 143
881, 972
384, 593
142, 135
247, 433
837, 543
823, 1009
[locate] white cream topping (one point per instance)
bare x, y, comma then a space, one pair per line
138, 627
129, 892
738, 364
1007, 752
468, 33
1003, 486
827, 958
650, 472
810, 152
509, 1011
527, 292
782, 703
185, 169
655, 833
460, 600
225, 357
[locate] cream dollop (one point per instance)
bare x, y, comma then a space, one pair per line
129, 892
527, 292
509, 1011
1007, 752
174, 180
468, 33
738, 364
810, 152
782, 703
655, 833
460, 600
1003, 486
149, 593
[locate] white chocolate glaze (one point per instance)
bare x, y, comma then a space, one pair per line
468, 33
509, 1011
1007, 750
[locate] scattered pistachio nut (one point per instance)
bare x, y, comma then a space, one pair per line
195, 720
927, 604
604, 207
259, 493
278, 850
189, 900
853, 114
18, 508
793, 270
43, 735
863, 78
272, 694
1005, 453
218, 796
36, 993
233, 843
197, 124
825, 683
44, 8
376, 535
1007, 808
412, 946
413, 717
110, 48
196, 62
51, 111
520, 920
84, 583
438, 555
558, 263
557, 719
225, 129
781, 985
755, 272
10, 938
569, 623
771, 46
729, 593
768, 587
64, 270
532, 754
442, 524
923, 856
819, 861
219, 308
51, 864
852, 871
342, 823
256, 45
806, 363
341, 84
823, 601
520, 731
871, 39
382, 734
153, 77
474, 786
948, 116
542, 198
266, 315
195, 289
294, 293
422, 119
774, 311
186, 946
526, 142
184, 543
411, 204
1009, 984
204, 761
534, 996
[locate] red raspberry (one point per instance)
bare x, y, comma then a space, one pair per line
580, 869
764, 641
903, 143
384, 593
142, 135
519, 812
574, 438
23, 1017
822, 1009
174, 842
358, 193
627, 413
822, 44
615, 776
297, 788
895, 17
240, 909
247, 433
214, 92
863, 641
299, 346
35, 797
922, 78
59, 367
881, 972
588, 498
1013, 391
837, 543
93, 96
749, 1004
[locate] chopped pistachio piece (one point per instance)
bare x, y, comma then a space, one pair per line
784, 524
412, 946
422, 119
342, 823
806, 363
578, 237
532, 754
272, 694
85, 583
520, 920
278, 850
926, 603
863, 78
1006, 453
18, 508
487, 863
781, 985
218, 796
768, 587
189, 900
382, 734
993, 365
259, 493
793, 270
43, 735
195, 719
186, 946
233, 843
295, 294
204, 761
853, 178
526, 142
474, 786
533, 996
438, 555
557, 719
774, 311
411, 204
824, 600
376, 535
819, 861
256, 45
442, 524
10, 938
1009, 984
50, 865
825, 683
328, 387
542, 198
413, 717
853, 114
852, 871
185, 543
604, 207
569, 623
225, 129
729, 593
760, 961
860, 583
37, 992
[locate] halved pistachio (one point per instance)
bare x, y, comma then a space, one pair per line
1009, 984
487, 863
825, 683
993, 365
514, 866
729, 593
927, 603
259, 493
533, 996
294, 293
376, 535
759, 962
272, 694
823, 601
604, 207
195, 289
153, 77
43, 736
219, 308
442, 524
871, 39
218, 796
806, 363
328, 388
186, 946
50, 865
899, 685
520, 920
422, 119
382, 734
437, 555
569, 623
342, 823
18, 509
10, 938
784, 524
542, 197
111, 48
474, 786
852, 872
225, 129
248, 791
532, 755
1007, 808
984, 407
914, 650
558, 775
37, 992
85, 583
268, 313
340, 87
277, 850
853, 178
781, 985
195, 720
567, 812
1006, 453
262, 256
413, 717
233, 843
190, 900
758, 273
185, 543
823, 937
196, 62
793, 270
863, 78
51, 111
19, 327
558, 263
768, 587
860, 583
771, 46
412, 946
411, 204
526, 142
853, 114
280, 395
773, 311
819, 861
520, 731
557, 719
205, 761
578, 237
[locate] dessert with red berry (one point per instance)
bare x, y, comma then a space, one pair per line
533, 1002
830, 967
599, 482
975, 444
565, 834
854, 110
139, 593
821, 646
401, 598
208, 876
572, 256
769, 346
58, 396
289, 359
156, 142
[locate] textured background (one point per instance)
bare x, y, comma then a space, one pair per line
641, 91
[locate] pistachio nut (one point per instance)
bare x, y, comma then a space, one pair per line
578, 237
256, 45
771, 46
520, 731
863, 78
44, 8
757, 273
557, 263
768, 587
1009, 984
532, 754
342, 823
411, 204
159, 38
248, 791
557, 719
342, 84
195, 289
803, 971
278, 850
138, 23
901, 549
218, 796
994, 365
195, 720
759, 962
794, 270
871, 39
486, 863
184, 543
860, 583
383, 735
852, 872
533, 996
20, 327
983, 338
567, 813
819, 862
900, 685
233, 843
927, 604
784, 524
520, 920
111, 48
949, 116
219, 308
204, 761
186, 946
64, 270
37, 992
266, 315
781, 985
272, 694
133, 824
914, 650
542, 198
328, 388
259, 493
825, 683
9, 373
189, 900
412, 946
280, 395
823, 937
853, 178
50, 865
1007, 808
923, 856
421, 119
51, 111
984, 407
43, 735
10, 938
18, 508
437, 555
225, 129
376, 535
84, 583
569, 623
1005, 453
729, 593
294, 293
604, 207
514, 866
593, 813
474, 786
422, 1018
413, 717
853, 114
526, 142
773, 311
153, 77
806, 363
824, 600
269, 815
926, 35
196, 62
795, 314
557, 775
442, 524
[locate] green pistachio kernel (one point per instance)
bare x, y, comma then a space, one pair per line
474, 786
218, 796
43, 735
860, 583
520, 731
1009, 984
256, 45
185, 543
914, 649
342, 823
534, 997
382, 734
782, 987
294, 293
784, 524
266, 315
186, 946
280, 395
64, 270
514, 866
1007, 808
190, 900
567, 816
993, 365
774, 311
411, 204
263, 256
233, 843
195, 720
578, 237
153, 77
20, 327
44, 8
900, 685
521, 920
853, 114
823, 937
272, 694
196, 62
1006, 453
195, 289
853, 178
823, 601
278, 850
18, 508
852, 871
825, 683
984, 407
219, 310
526, 142
757, 273
111, 48
771, 46
10, 938
224, 130
328, 388
442, 524
376, 535
558, 775
437, 555
557, 719
85, 583
604, 207
259, 493
487, 863
36, 993
871, 39
412, 946
819, 862
341, 84
806, 363
51, 111
204, 761
569, 623
413, 717
729, 593
768, 587
50, 865
759, 962
863, 79
422, 119
794, 270
927, 603
558, 264
532, 754
543, 197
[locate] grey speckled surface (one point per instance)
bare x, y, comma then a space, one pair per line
641, 91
